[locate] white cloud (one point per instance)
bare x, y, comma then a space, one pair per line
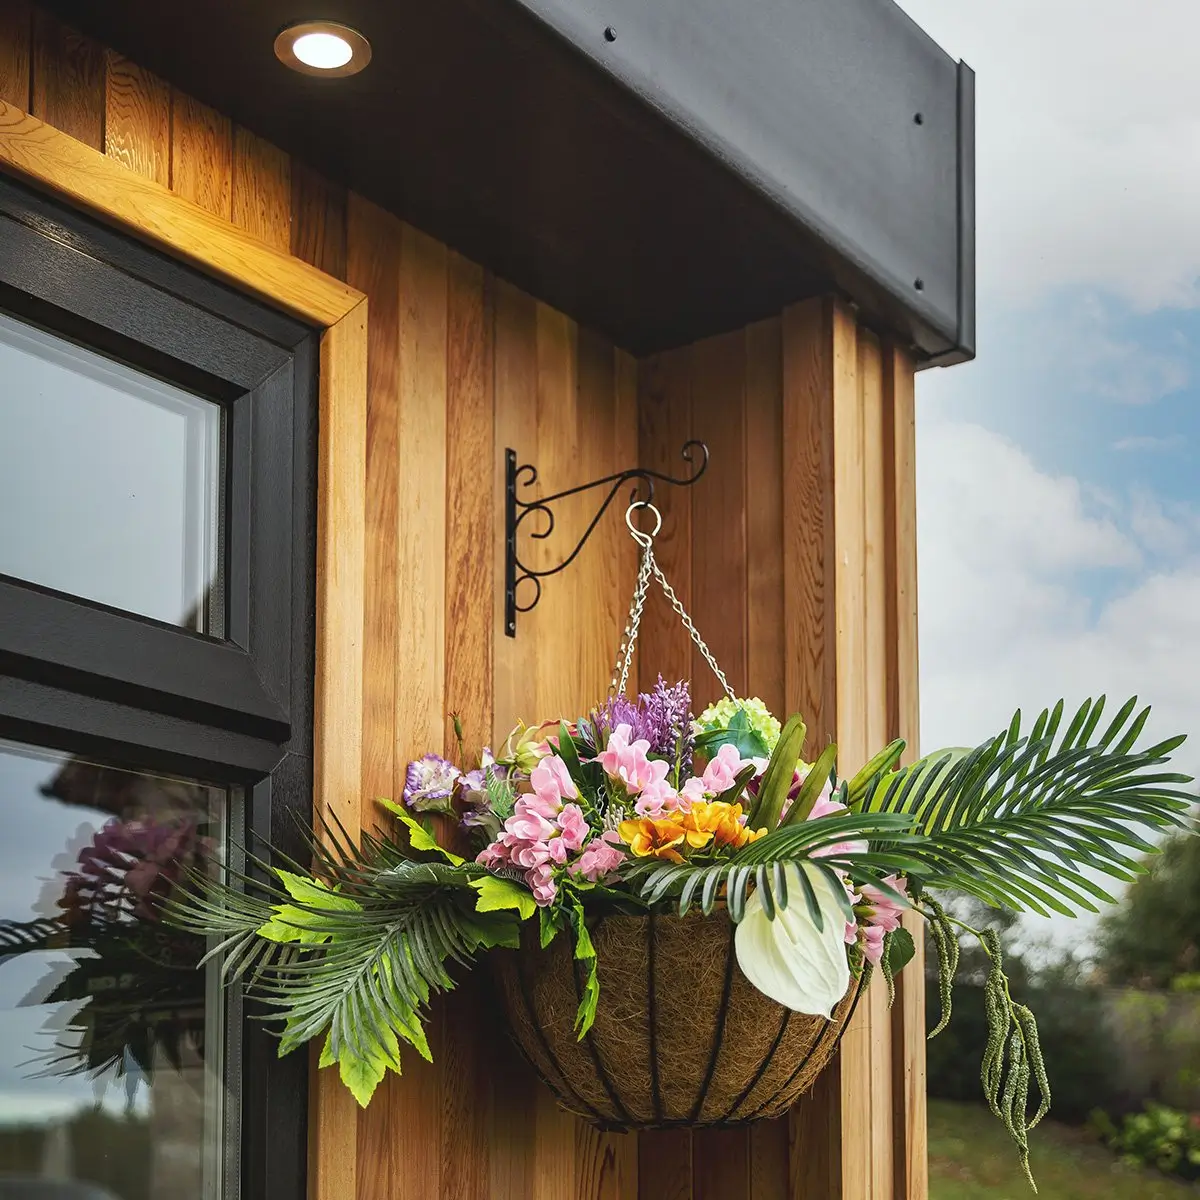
1088, 142
1005, 619
1173, 441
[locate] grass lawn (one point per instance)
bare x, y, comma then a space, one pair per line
971, 1158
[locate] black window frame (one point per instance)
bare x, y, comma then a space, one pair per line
134, 692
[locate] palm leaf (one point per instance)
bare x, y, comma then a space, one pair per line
1016, 820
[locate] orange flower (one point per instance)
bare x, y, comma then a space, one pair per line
719, 822
649, 838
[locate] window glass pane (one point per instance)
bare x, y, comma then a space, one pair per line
110, 481
112, 1045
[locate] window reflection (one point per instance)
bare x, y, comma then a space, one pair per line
110, 482
111, 1042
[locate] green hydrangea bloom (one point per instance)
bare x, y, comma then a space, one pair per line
718, 716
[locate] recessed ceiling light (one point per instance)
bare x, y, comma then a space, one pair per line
323, 48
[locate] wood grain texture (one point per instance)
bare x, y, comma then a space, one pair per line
318, 221
16, 27
414, 1134
721, 1164
341, 503
665, 1164
719, 569
466, 1091
67, 80
910, 1141
45, 156
810, 683
201, 155
373, 266
262, 189
664, 424
765, 651
878, 656
137, 119
605, 1164
769, 1160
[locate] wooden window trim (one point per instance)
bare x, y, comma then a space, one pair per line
55, 162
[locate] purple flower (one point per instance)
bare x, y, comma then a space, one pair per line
661, 717
429, 784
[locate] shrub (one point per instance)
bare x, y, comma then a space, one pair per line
1158, 1137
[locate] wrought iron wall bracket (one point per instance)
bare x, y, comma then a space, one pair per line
516, 510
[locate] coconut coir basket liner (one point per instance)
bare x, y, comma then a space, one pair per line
681, 1037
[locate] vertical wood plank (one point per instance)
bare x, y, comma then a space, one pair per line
516, 659
318, 221
665, 1164
137, 119
415, 1131
466, 1092
605, 1164
16, 24
373, 266
878, 659
67, 80
201, 155
910, 1139
721, 1164
769, 1159
664, 424
261, 195
338, 684
765, 655
719, 567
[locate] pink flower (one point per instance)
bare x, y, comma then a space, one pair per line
574, 826
691, 791
541, 883
885, 913
600, 857
723, 770
530, 855
492, 856
826, 806
873, 943
552, 781
527, 822
657, 797
558, 850
627, 761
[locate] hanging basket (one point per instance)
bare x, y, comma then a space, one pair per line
681, 1037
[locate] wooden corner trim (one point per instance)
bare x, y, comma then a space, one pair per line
48, 158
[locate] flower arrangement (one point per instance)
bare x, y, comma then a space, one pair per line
641, 812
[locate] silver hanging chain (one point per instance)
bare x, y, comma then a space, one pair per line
648, 567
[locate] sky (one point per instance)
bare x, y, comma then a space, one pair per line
1059, 473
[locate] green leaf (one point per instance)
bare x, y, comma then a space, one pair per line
362, 1074
496, 893
810, 789
748, 742
778, 777
585, 952
326, 1059
899, 949
309, 926
883, 762
418, 837
549, 925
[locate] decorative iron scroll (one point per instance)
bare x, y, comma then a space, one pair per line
517, 478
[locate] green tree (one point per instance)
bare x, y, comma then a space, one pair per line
1153, 937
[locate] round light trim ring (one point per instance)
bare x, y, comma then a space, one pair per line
324, 48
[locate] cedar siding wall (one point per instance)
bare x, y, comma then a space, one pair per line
800, 589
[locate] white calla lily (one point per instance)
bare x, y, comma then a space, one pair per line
789, 959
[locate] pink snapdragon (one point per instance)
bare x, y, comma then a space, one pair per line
883, 916
718, 776
600, 857
547, 831
626, 761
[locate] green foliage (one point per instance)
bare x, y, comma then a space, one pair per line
1159, 1137
1154, 935
898, 951
354, 953
778, 777
1012, 821
739, 733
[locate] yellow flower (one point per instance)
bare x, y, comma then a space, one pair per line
648, 838
720, 822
